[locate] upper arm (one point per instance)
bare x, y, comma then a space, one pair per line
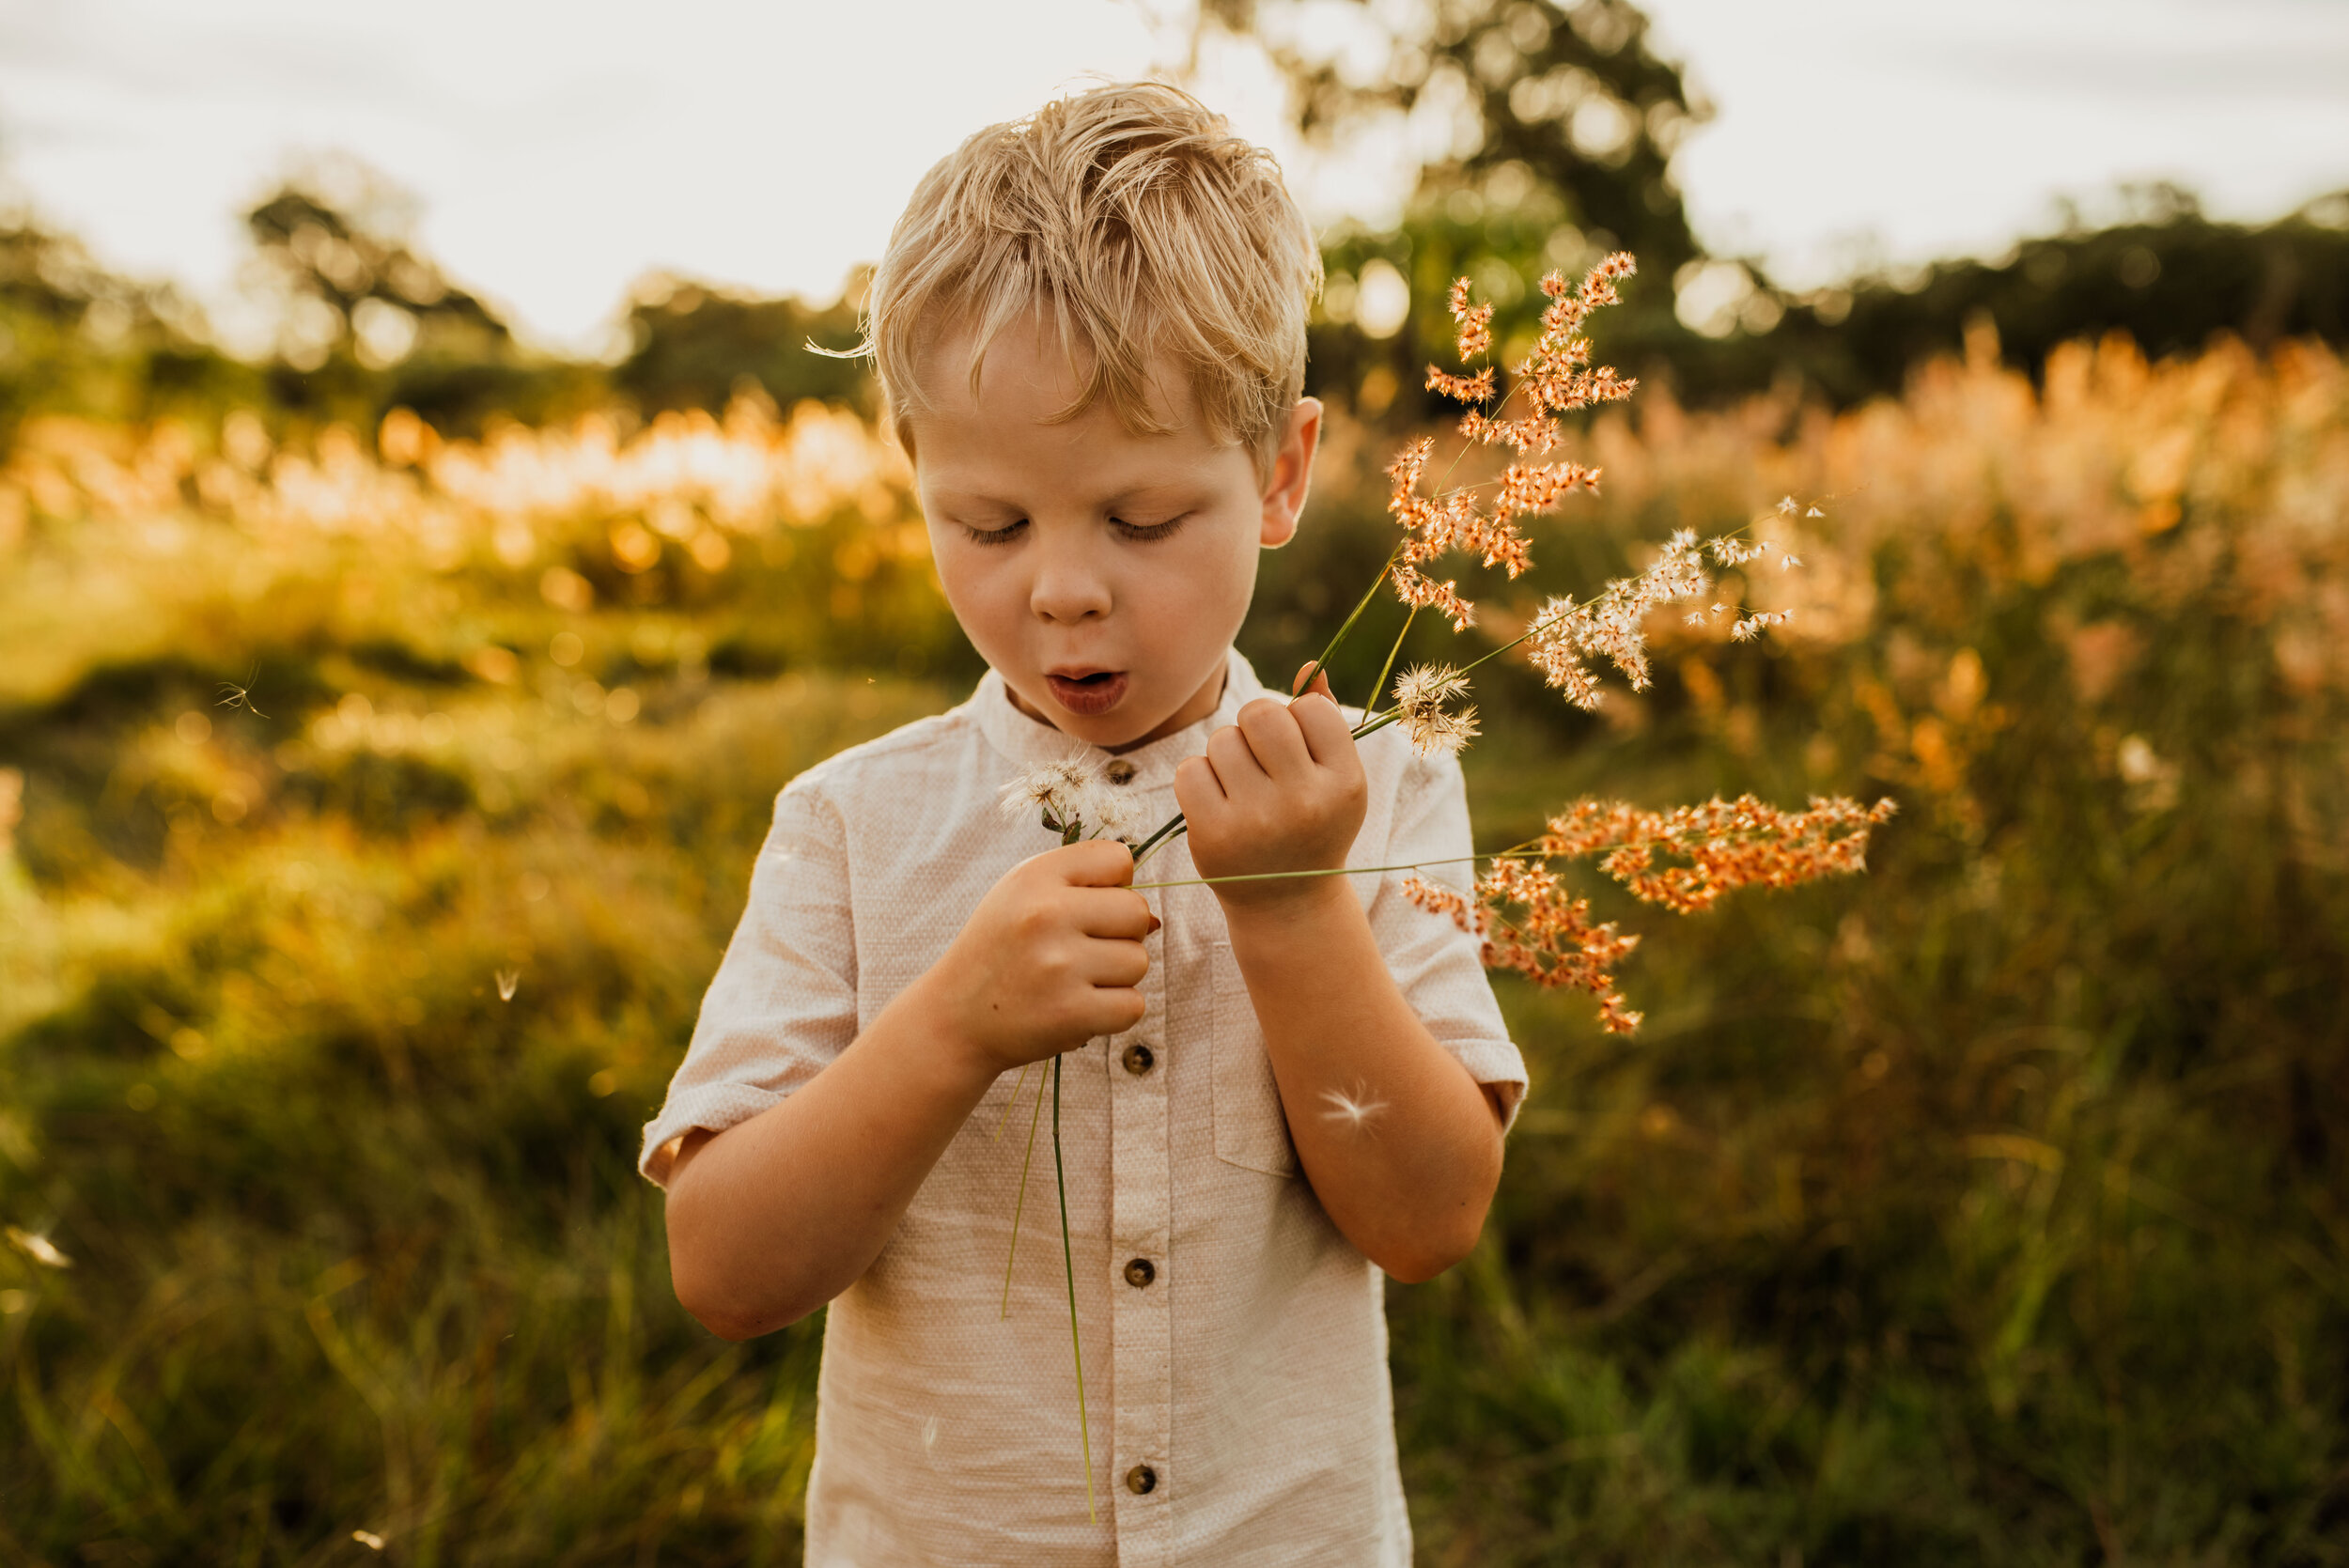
783, 1001
1438, 967
688, 1145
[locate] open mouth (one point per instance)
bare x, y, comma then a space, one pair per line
1095, 692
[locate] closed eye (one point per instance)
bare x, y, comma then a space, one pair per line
1002, 536
1143, 533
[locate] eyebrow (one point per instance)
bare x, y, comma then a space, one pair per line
1155, 492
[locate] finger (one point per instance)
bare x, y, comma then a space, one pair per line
1319, 676
1112, 1010
1099, 862
1322, 729
1110, 912
1114, 965
1233, 760
1273, 736
1197, 787
1199, 794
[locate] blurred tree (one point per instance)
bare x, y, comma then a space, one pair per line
364, 321
76, 339
1563, 123
2166, 274
693, 345
1555, 127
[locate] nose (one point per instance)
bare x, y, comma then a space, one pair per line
1070, 587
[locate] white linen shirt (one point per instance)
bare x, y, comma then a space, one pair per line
1236, 1386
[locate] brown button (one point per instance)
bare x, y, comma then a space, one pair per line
1141, 1272
1139, 1060
1141, 1479
1119, 773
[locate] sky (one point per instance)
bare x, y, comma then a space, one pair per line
558, 152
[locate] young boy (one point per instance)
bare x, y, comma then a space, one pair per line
1090, 332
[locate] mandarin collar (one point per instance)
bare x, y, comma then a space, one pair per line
1024, 741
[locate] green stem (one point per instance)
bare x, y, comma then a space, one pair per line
1150, 845
1033, 1117
1329, 870
1068, 1265
1487, 658
1531, 847
1010, 1105
1380, 689
1361, 605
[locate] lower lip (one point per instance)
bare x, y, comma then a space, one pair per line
1087, 698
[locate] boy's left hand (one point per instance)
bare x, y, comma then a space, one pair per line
1281, 791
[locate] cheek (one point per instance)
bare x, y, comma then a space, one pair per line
1230, 568
977, 588
1204, 592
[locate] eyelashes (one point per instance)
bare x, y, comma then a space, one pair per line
1147, 533
1138, 533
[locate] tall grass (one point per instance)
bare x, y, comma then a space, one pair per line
1985, 1209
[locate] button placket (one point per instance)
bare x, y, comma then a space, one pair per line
1141, 1208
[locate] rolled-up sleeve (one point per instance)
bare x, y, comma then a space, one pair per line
783, 1001
1440, 967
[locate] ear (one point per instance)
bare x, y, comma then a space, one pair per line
1292, 473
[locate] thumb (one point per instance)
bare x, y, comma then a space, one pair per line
1096, 862
1320, 680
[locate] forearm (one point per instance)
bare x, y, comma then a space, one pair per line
1410, 1182
778, 1214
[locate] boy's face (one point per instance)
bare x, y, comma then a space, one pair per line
1102, 574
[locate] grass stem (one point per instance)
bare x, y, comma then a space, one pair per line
1011, 1103
1378, 690
1363, 603
1033, 1117
1326, 871
1069, 1266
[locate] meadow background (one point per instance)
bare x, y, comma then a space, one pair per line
387, 728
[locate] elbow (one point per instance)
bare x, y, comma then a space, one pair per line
724, 1312
714, 1293
1424, 1257
721, 1323
1411, 1272
1440, 1241
705, 1303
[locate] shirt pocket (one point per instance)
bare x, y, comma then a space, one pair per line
1250, 1129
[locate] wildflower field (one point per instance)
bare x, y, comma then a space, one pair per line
373, 808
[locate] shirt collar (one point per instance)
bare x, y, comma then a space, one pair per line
1024, 742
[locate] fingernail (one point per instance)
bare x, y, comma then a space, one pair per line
1155, 923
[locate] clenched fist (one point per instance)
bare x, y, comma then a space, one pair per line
1050, 958
1281, 791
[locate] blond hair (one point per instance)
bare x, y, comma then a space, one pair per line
1137, 226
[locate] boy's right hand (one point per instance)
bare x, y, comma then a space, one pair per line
1050, 958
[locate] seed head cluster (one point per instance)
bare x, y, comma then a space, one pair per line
1566, 634
1421, 695
1072, 798
1532, 923
1684, 858
1555, 379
